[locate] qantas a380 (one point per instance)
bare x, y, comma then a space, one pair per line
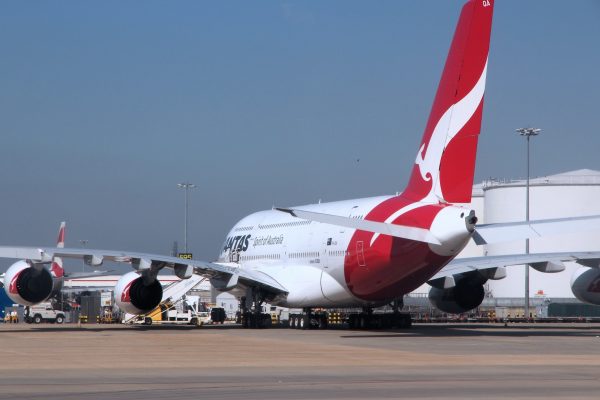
364, 252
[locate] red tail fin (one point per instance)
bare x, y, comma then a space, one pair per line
60, 242
445, 162
57, 269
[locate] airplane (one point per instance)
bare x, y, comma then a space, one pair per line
358, 253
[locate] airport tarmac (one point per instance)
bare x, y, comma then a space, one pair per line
429, 361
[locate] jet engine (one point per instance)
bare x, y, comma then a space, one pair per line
461, 298
136, 297
27, 284
585, 284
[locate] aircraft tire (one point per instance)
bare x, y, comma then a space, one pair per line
362, 322
322, 322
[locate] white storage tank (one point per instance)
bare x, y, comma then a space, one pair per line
570, 194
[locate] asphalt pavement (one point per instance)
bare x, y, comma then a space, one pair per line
428, 361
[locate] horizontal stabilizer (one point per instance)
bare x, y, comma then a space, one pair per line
401, 231
507, 232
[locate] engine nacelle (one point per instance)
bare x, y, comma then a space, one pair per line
134, 297
585, 285
27, 285
461, 298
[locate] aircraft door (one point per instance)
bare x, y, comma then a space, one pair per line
325, 248
360, 254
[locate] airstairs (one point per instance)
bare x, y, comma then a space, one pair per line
172, 296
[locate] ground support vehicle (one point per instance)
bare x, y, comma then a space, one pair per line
180, 313
250, 319
174, 316
218, 315
168, 314
43, 312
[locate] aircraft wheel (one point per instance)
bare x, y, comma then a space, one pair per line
363, 322
323, 322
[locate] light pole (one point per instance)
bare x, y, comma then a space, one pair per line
186, 186
83, 242
527, 133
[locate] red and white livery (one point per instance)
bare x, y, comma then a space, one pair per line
353, 266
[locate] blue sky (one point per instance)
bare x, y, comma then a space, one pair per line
105, 107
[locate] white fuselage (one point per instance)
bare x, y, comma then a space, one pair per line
312, 260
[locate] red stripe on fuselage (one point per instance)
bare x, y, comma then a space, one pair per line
391, 267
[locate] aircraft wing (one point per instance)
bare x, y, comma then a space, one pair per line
80, 275
493, 267
228, 274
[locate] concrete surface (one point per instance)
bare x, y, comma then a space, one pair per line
426, 362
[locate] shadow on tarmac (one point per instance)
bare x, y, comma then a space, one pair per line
470, 330
434, 330
115, 327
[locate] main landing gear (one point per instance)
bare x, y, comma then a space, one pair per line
363, 320
309, 320
251, 311
368, 320
252, 316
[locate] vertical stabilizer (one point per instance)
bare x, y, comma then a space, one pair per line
445, 164
57, 263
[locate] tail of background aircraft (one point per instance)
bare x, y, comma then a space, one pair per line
57, 263
445, 163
